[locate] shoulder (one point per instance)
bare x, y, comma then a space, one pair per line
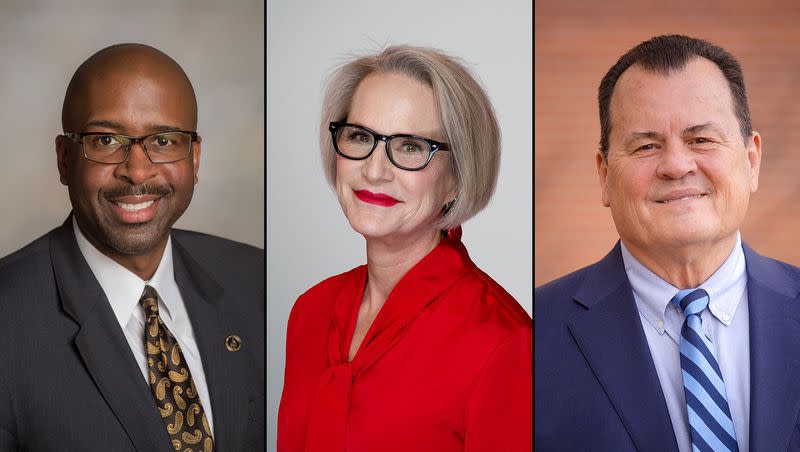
753, 258
320, 297
771, 272
26, 265
230, 262
490, 304
237, 267
27, 275
556, 301
480, 318
210, 248
334, 284
564, 286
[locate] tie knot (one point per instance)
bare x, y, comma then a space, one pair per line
691, 301
149, 301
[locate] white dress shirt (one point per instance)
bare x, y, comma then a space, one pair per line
725, 322
123, 289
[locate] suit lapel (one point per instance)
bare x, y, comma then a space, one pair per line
225, 371
609, 333
774, 352
102, 345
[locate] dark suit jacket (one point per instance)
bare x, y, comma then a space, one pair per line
596, 387
68, 379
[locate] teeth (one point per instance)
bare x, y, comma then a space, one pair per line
679, 199
135, 207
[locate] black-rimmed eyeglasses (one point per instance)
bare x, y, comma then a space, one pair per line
112, 148
407, 152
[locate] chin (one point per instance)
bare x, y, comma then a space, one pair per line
681, 238
135, 240
370, 229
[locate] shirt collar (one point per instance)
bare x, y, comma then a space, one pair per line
725, 287
420, 286
123, 287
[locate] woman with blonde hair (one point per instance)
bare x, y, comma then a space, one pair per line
418, 349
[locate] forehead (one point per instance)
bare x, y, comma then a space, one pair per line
136, 99
695, 94
395, 103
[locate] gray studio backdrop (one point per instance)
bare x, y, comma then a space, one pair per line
308, 238
221, 48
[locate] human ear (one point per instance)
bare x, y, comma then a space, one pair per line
602, 174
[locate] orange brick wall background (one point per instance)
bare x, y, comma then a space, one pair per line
575, 43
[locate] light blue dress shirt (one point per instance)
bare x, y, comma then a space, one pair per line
726, 323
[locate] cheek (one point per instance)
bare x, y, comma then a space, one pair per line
623, 182
179, 176
347, 173
87, 180
628, 188
428, 189
738, 189
343, 173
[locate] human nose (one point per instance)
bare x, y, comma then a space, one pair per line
137, 168
676, 161
377, 166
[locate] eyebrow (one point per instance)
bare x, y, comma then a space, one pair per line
423, 134
702, 127
103, 123
119, 127
648, 135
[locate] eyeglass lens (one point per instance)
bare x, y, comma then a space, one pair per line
407, 152
161, 148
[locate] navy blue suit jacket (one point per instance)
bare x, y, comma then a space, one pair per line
596, 387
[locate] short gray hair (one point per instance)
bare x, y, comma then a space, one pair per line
470, 125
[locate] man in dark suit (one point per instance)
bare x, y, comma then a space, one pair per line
117, 332
682, 337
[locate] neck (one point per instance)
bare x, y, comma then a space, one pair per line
388, 260
142, 265
684, 267
145, 265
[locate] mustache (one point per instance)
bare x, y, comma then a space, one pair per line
137, 190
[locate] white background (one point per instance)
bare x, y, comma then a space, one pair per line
308, 237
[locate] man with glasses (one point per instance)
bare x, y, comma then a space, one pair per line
118, 332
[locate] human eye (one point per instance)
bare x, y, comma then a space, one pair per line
646, 147
409, 146
701, 142
105, 140
358, 136
164, 140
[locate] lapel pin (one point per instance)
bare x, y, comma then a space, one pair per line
233, 343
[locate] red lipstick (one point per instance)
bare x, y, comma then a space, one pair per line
378, 199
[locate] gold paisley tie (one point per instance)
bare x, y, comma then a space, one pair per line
172, 385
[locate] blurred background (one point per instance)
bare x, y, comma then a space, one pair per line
576, 42
219, 45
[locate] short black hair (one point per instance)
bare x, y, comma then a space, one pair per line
663, 55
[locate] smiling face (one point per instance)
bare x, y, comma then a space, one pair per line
129, 208
379, 199
678, 172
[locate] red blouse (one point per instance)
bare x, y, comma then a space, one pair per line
445, 366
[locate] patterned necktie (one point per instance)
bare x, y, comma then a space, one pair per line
172, 385
710, 419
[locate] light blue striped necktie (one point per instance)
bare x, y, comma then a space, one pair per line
710, 419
